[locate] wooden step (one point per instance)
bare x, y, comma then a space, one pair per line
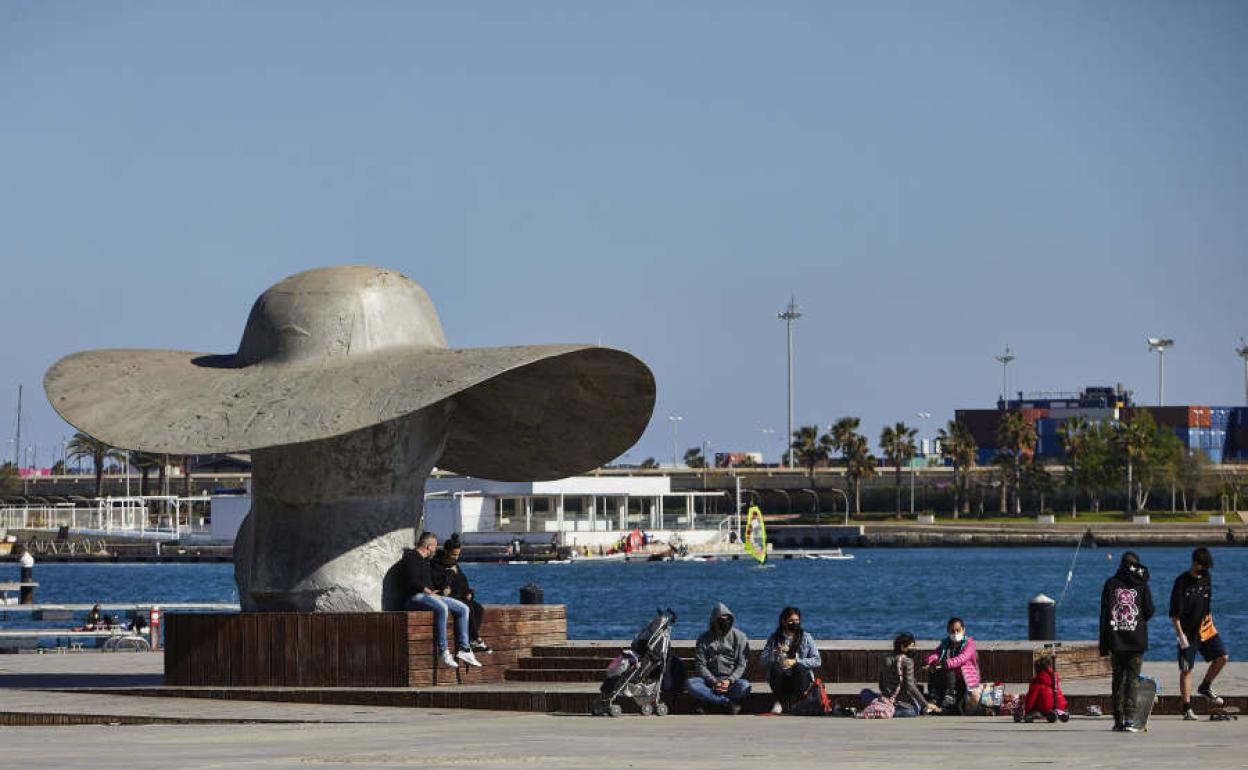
550, 675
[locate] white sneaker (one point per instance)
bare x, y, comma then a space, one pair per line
467, 657
776, 708
447, 660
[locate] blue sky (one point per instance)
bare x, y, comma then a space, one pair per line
932, 180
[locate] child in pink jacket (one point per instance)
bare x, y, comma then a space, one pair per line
953, 670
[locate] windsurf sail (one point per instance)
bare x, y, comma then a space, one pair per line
755, 534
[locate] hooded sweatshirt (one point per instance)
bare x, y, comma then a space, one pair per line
1126, 607
721, 655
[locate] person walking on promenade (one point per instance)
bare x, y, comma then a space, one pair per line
791, 658
449, 579
720, 658
1126, 608
1191, 612
425, 596
954, 670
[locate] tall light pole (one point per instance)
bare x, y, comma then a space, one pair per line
674, 419
924, 417
1159, 344
1004, 359
1242, 350
790, 314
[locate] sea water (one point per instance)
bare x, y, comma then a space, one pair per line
876, 595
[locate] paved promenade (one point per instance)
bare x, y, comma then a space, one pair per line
303, 736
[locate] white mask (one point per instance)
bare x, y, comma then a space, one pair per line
958, 637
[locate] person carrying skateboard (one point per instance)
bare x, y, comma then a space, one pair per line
1126, 607
1191, 602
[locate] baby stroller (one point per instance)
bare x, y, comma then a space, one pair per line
637, 672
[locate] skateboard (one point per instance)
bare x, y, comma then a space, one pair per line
1145, 698
1223, 713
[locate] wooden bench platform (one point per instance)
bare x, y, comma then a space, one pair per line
347, 649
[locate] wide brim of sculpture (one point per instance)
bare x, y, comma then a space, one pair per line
520, 413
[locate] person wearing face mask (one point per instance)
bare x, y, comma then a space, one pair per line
1126, 607
720, 658
953, 669
897, 675
1191, 612
791, 659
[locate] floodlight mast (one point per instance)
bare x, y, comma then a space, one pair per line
790, 314
1159, 344
674, 419
1004, 359
1242, 350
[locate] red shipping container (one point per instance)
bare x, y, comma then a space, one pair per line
1031, 415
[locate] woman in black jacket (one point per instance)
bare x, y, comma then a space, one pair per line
449, 580
1126, 607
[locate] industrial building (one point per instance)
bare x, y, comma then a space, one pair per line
1220, 432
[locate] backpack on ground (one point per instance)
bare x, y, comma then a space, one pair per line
814, 703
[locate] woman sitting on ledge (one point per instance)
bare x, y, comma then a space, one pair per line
953, 670
791, 659
897, 676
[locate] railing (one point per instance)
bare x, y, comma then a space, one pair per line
153, 516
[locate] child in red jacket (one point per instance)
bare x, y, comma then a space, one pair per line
1044, 696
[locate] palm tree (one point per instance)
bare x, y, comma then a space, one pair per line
694, 458
1016, 436
1135, 441
145, 462
1073, 435
649, 463
83, 445
859, 465
809, 448
897, 443
957, 444
843, 432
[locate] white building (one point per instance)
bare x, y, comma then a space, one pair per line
577, 511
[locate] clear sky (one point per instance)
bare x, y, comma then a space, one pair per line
932, 181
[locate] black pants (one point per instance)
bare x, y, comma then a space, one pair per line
476, 613
789, 684
1126, 666
946, 688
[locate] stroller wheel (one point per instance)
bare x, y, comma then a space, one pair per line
1052, 717
597, 708
660, 709
647, 709
615, 710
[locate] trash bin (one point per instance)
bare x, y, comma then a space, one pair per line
1041, 619
532, 594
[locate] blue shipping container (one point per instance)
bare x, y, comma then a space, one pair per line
1046, 426
984, 456
1215, 456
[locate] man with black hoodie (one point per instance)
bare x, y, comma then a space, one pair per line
720, 658
1126, 607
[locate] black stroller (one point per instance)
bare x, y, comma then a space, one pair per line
637, 672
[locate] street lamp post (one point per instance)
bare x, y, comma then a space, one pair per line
1242, 350
790, 314
1004, 359
924, 417
1159, 344
674, 419
772, 433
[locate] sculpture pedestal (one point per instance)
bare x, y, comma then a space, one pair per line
344, 649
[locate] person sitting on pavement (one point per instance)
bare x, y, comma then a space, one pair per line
1044, 695
1126, 608
1191, 612
424, 596
954, 670
95, 619
897, 676
720, 658
449, 580
791, 659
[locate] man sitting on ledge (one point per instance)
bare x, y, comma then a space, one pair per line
720, 658
425, 597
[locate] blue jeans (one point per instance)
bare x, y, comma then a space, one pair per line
699, 689
440, 605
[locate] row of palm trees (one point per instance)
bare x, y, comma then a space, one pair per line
86, 447
896, 444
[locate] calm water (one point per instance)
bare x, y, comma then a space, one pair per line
878, 594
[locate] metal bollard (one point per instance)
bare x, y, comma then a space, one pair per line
26, 594
532, 594
1041, 619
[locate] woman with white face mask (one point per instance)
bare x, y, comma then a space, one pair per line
953, 670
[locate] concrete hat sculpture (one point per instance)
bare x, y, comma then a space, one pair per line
334, 350
346, 394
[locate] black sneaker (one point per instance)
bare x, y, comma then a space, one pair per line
1129, 727
1188, 714
1206, 690
1117, 727
699, 710
734, 708
479, 645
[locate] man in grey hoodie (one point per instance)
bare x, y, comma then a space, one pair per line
720, 659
